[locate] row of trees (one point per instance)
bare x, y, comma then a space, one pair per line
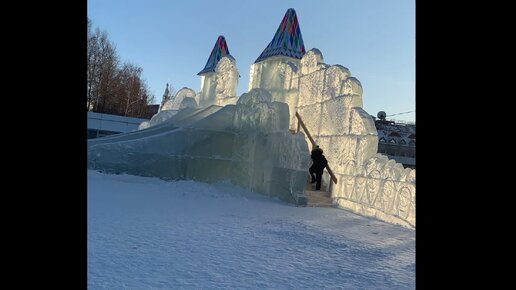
114, 87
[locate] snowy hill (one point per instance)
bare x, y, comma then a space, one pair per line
146, 233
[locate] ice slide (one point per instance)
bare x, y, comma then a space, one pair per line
182, 118
248, 144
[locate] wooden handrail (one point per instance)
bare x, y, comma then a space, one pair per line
300, 122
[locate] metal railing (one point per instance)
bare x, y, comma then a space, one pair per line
301, 124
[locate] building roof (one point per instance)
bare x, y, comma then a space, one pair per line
287, 41
402, 134
219, 50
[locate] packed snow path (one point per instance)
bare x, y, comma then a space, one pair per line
145, 233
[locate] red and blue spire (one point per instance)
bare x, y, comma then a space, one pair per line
219, 50
287, 41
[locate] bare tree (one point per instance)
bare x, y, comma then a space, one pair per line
92, 66
102, 66
112, 88
106, 68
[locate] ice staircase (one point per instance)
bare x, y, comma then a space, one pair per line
317, 198
312, 197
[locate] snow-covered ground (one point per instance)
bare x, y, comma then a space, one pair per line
145, 233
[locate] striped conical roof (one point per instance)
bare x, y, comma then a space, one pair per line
219, 50
287, 41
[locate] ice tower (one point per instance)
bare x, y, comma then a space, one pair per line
277, 66
219, 78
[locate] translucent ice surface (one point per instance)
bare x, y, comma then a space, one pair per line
329, 101
247, 143
219, 87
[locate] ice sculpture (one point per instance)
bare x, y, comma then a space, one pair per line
175, 102
247, 143
184, 98
329, 100
276, 69
226, 75
219, 78
193, 137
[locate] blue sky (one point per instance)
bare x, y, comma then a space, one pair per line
172, 40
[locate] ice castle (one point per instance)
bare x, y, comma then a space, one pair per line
261, 140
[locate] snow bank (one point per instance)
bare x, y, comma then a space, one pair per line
145, 233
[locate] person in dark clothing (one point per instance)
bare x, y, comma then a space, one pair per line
319, 163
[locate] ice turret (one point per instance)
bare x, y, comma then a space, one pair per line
287, 41
219, 78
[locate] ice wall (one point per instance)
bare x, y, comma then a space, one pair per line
329, 101
247, 143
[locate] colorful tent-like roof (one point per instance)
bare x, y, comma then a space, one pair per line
219, 50
287, 41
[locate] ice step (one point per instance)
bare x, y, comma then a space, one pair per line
316, 198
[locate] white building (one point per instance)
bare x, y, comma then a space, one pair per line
100, 125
